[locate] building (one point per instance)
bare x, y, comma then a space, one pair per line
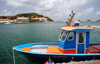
14, 20
4, 20
22, 20
40, 19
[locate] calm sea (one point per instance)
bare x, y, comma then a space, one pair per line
17, 34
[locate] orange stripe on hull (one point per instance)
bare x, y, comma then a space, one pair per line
94, 51
67, 51
87, 50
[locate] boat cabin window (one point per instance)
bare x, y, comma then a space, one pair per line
70, 37
81, 37
63, 35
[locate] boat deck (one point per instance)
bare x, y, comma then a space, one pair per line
94, 49
42, 48
52, 48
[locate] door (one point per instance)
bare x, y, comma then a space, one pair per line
80, 42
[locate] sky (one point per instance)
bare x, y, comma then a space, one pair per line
58, 10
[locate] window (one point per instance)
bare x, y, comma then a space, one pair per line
70, 37
81, 37
63, 35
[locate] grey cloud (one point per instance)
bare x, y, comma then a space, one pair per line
51, 8
23, 3
3, 0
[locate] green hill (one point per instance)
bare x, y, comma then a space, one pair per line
33, 15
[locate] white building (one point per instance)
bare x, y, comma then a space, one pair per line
40, 19
22, 20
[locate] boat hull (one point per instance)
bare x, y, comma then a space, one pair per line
56, 57
42, 58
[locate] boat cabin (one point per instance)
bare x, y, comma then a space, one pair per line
74, 39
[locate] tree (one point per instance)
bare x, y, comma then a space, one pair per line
34, 16
18, 20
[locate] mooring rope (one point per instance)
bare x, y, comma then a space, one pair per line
93, 57
13, 56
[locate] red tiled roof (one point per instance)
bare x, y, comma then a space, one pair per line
18, 17
14, 19
4, 19
39, 18
22, 16
27, 17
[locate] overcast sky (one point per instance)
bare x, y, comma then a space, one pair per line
58, 10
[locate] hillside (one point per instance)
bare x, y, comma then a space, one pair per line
34, 15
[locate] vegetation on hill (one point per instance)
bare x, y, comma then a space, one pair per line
34, 15
88, 20
98, 21
29, 15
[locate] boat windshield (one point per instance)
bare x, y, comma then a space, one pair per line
63, 35
70, 37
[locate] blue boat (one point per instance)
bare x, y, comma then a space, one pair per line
73, 44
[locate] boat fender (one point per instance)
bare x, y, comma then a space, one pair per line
49, 62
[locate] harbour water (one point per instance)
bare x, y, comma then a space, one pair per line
17, 34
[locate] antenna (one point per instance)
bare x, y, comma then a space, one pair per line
69, 22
